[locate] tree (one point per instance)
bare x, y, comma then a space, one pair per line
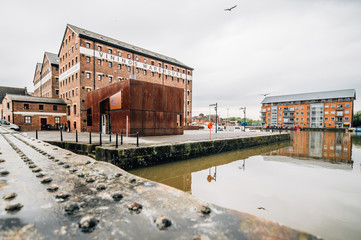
357, 119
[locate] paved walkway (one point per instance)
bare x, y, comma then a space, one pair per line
189, 135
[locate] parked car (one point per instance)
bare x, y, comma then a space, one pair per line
9, 125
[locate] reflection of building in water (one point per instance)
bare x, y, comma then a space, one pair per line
325, 145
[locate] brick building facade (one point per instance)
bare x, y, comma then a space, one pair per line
46, 77
331, 109
34, 113
89, 61
9, 90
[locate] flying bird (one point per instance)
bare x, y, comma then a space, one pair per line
264, 94
230, 9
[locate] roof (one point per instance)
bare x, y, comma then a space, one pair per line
346, 93
53, 58
21, 98
126, 46
11, 90
40, 66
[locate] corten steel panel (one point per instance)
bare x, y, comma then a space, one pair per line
136, 93
149, 97
149, 119
159, 120
95, 97
159, 103
136, 117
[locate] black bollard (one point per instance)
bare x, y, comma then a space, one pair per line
100, 139
36, 134
116, 140
61, 135
137, 139
90, 137
121, 138
76, 135
110, 137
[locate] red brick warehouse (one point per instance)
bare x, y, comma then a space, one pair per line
89, 61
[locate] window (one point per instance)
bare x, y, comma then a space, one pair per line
99, 77
332, 119
136, 58
128, 55
347, 105
99, 48
333, 105
326, 106
110, 51
57, 92
137, 70
88, 75
326, 112
326, 119
87, 59
145, 72
99, 62
145, 60
332, 112
89, 119
308, 107
76, 91
347, 111
119, 53
74, 108
26, 106
57, 120
346, 118
128, 69
302, 108
110, 78
119, 66
110, 64
55, 107
76, 45
41, 107
27, 119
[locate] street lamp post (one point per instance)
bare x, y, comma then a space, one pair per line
215, 108
244, 119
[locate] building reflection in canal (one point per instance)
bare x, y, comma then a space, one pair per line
312, 183
179, 174
329, 146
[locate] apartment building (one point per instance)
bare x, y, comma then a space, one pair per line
46, 77
89, 61
329, 109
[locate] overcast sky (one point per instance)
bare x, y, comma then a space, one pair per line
261, 46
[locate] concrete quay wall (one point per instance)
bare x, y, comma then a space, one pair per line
135, 157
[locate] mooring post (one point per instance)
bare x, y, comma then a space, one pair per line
100, 139
110, 137
36, 134
137, 139
121, 138
76, 135
61, 135
116, 140
90, 137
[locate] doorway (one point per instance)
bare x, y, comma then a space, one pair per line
105, 123
43, 122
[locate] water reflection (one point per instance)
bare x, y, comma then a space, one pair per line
312, 183
179, 174
331, 146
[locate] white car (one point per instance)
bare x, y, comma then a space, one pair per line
9, 125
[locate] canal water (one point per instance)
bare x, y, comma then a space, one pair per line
312, 183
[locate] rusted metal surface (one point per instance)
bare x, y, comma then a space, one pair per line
152, 109
96, 200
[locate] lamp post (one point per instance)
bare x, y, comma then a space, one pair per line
244, 119
215, 108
